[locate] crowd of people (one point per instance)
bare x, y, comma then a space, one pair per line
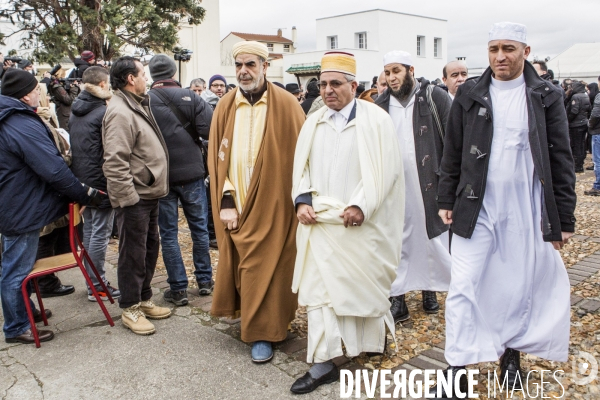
336, 198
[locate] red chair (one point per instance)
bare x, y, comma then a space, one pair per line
49, 265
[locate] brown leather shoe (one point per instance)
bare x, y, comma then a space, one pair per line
27, 337
37, 315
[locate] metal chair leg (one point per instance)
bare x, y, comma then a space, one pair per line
34, 331
40, 302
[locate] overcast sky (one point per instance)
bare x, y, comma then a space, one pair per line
552, 25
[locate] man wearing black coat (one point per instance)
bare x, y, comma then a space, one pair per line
419, 111
312, 92
578, 112
507, 186
87, 113
86, 60
186, 176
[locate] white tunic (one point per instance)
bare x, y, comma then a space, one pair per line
343, 275
509, 288
425, 263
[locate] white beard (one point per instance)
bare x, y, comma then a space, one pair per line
254, 84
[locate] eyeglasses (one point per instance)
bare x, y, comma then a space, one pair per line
216, 85
333, 84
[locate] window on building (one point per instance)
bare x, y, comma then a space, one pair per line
361, 40
286, 48
420, 46
332, 41
437, 47
270, 47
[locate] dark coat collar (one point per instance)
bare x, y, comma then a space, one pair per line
482, 87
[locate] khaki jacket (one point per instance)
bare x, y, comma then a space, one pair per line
136, 162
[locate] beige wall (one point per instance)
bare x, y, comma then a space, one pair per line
203, 40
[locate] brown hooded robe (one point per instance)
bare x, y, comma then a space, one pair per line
256, 260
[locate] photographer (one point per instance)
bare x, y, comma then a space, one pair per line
87, 59
63, 93
7, 62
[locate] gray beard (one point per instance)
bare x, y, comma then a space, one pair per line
405, 89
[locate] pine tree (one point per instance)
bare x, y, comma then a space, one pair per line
59, 28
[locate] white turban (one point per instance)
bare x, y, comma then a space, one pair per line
397, 57
251, 47
508, 31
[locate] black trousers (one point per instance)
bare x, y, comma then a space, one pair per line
52, 244
138, 251
210, 224
577, 136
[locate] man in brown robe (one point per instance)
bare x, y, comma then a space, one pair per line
252, 142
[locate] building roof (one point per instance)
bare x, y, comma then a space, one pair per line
304, 69
262, 38
579, 60
379, 9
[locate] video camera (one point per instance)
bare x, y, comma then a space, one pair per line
70, 80
183, 55
16, 60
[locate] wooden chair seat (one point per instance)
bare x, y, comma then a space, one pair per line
45, 264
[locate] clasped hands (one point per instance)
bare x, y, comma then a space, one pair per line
353, 216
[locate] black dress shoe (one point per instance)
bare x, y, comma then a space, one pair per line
510, 366
61, 290
430, 303
462, 384
590, 167
399, 309
307, 383
212, 243
37, 315
27, 337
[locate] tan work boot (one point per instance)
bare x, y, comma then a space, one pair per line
153, 311
134, 319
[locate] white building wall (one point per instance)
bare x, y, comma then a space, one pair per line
13, 42
204, 41
386, 31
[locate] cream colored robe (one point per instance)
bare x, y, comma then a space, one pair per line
349, 271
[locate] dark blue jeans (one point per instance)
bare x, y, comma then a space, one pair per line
596, 159
194, 204
18, 257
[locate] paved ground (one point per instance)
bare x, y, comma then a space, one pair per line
193, 355
190, 356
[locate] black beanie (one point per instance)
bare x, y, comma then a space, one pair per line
18, 83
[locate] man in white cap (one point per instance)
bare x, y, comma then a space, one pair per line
419, 111
349, 193
252, 140
507, 188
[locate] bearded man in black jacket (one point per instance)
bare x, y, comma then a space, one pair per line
173, 108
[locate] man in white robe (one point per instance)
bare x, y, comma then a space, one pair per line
507, 188
348, 187
414, 105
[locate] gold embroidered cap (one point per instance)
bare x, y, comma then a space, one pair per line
250, 47
337, 61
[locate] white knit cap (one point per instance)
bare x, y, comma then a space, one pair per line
397, 57
508, 31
